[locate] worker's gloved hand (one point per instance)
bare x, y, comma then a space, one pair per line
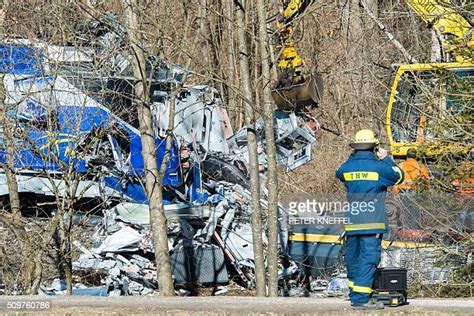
381, 153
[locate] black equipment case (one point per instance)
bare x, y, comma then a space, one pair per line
390, 286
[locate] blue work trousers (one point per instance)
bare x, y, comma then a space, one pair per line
363, 254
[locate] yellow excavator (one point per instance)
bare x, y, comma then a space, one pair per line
431, 106
296, 88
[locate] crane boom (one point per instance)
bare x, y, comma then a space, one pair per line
456, 32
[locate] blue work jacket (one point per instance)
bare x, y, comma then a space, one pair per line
366, 179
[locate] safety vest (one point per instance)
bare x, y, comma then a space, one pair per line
366, 179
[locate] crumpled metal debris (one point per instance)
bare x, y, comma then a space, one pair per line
209, 218
202, 122
317, 285
203, 242
337, 286
58, 287
126, 239
220, 290
122, 255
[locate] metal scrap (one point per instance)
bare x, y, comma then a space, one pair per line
202, 245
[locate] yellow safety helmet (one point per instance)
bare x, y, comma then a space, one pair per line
364, 139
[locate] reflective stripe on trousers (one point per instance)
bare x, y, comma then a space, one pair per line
363, 254
362, 289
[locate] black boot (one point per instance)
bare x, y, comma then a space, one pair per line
370, 305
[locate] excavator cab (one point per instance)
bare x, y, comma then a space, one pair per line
431, 107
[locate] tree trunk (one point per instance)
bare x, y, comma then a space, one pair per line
272, 184
9, 167
234, 111
8, 132
65, 214
8, 129
153, 184
252, 147
436, 52
204, 33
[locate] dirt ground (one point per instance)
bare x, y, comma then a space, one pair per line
224, 306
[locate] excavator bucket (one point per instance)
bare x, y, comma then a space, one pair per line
296, 97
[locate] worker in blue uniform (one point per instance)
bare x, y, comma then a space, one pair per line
366, 175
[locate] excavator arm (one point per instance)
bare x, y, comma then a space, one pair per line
290, 59
295, 88
456, 32
294, 7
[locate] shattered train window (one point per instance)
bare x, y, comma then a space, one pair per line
118, 97
114, 93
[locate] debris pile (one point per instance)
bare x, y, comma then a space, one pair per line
207, 244
58, 287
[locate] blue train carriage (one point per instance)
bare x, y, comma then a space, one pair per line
66, 125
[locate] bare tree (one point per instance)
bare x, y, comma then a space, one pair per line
230, 71
153, 176
270, 149
8, 129
389, 35
252, 147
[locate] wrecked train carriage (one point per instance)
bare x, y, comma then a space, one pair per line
68, 125
202, 123
74, 120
